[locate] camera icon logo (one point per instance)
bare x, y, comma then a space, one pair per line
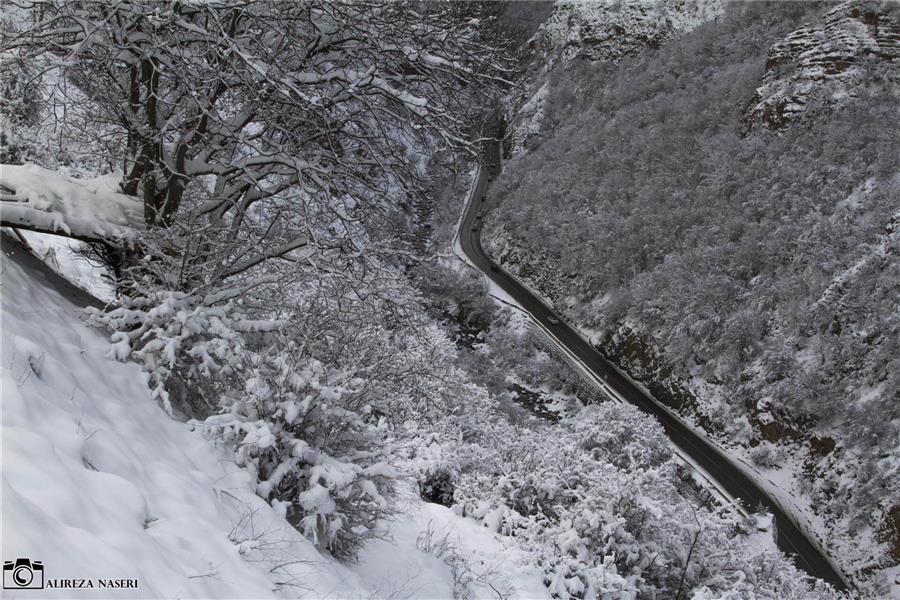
23, 574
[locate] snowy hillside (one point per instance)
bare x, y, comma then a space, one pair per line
747, 275
99, 483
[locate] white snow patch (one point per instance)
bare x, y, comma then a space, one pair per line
99, 483
431, 552
62, 254
34, 197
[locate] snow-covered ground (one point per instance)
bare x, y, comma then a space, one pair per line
62, 254
431, 552
99, 483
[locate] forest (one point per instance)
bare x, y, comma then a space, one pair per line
755, 267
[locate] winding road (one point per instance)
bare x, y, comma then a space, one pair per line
727, 475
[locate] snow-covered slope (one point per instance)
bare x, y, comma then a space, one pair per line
99, 483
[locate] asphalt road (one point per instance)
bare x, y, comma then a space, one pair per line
727, 475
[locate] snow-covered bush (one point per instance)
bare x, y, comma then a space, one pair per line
317, 381
311, 452
300, 426
604, 511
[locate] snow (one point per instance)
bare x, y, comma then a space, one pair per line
412, 562
98, 482
62, 255
44, 200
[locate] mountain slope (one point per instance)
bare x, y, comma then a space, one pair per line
98, 482
748, 277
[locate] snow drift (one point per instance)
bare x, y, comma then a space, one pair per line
99, 483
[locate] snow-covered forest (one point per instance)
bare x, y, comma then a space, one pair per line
243, 357
721, 215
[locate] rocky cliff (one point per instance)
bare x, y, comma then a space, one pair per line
824, 64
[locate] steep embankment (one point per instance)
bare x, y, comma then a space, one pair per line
99, 483
721, 213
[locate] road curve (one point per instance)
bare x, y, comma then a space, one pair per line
727, 474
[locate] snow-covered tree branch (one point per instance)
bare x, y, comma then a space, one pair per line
238, 116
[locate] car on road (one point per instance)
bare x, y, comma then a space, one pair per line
553, 320
495, 268
475, 228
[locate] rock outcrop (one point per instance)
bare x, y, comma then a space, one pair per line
608, 31
824, 64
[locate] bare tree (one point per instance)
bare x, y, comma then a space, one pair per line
258, 128
268, 143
